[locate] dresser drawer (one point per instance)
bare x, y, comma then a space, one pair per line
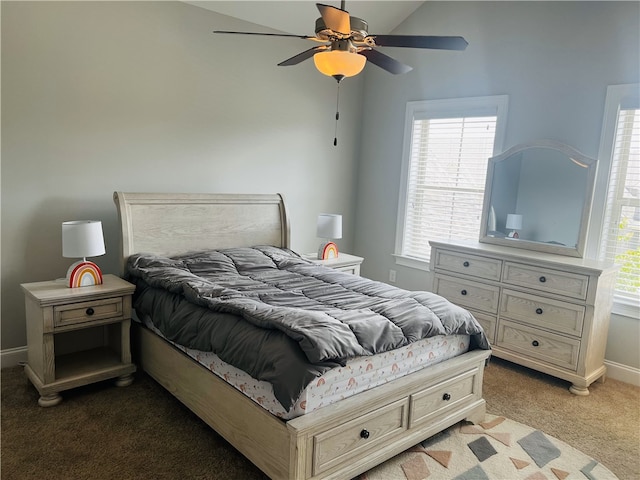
467, 293
547, 280
561, 317
442, 397
360, 436
474, 265
535, 343
488, 324
77, 313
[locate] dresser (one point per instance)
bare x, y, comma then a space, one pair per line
544, 311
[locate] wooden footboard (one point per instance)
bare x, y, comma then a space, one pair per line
338, 441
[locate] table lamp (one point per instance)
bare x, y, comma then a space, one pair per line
514, 222
82, 239
329, 227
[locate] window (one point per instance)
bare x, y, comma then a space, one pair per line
446, 151
620, 192
621, 232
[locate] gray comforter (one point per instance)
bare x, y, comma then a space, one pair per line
281, 318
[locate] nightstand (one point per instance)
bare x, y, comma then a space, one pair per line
344, 262
58, 358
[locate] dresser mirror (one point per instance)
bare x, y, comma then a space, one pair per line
538, 197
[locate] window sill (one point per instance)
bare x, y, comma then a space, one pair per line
412, 262
626, 307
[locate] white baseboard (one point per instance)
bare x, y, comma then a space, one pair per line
617, 371
624, 373
13, 356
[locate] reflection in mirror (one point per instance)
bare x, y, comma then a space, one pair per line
538, 197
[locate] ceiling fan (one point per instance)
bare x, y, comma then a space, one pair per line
346, 44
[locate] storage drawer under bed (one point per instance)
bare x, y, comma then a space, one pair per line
359, 436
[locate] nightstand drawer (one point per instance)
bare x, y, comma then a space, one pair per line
486, 268
552, 281
535, 343
77, 313
468, 294
555, 315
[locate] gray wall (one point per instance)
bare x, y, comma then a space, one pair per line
142, 96
553, 59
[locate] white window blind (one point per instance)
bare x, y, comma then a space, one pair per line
621, 227
445, 186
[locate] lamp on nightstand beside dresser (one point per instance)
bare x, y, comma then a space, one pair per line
56, 313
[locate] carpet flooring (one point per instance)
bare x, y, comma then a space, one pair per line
142, 432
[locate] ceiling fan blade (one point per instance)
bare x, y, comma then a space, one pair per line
335, 18
306, 37
385, 62
301, 57
420, 41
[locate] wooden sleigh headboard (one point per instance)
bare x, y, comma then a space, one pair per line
176, 223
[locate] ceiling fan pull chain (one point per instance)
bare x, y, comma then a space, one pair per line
335, 137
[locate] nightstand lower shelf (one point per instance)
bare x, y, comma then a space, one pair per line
82, 368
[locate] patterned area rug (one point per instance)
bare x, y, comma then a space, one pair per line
497, 449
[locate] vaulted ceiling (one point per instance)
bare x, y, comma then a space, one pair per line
298, 17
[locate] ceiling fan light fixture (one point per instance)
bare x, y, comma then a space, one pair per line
338, 63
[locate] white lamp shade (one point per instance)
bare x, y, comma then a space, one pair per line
82, 238
329, 226
514, 221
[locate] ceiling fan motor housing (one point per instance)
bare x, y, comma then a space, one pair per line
359, 29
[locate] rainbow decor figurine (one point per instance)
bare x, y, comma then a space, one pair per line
84, 274
328, 250
82, 239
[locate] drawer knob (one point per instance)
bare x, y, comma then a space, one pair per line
463, 292
446, 397
90, 311
465, 264
539, 311
535, 343
543, 279
364, 433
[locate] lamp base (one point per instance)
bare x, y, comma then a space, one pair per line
327, 250
513, 234
84, 274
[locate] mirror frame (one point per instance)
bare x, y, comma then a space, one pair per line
578, 250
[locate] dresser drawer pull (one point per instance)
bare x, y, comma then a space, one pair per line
539, 311
535, 343
463, 292
364, 433
90, 311
465, 264
543, 279
446, 397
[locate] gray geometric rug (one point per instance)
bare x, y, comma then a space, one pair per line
497, 449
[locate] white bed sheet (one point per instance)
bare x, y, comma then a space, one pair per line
358, 375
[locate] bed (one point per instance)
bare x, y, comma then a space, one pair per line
338, 441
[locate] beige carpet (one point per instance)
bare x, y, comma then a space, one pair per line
141, 432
